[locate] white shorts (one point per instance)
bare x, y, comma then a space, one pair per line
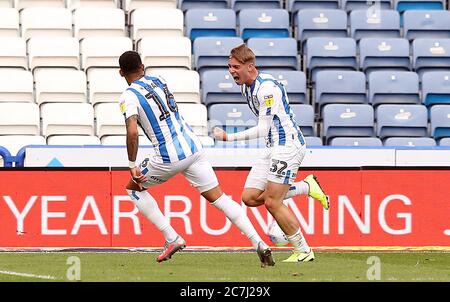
279, 164
196, 168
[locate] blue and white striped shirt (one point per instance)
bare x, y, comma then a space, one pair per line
150, 99
267, 96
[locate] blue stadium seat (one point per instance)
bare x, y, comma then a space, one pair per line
219, 22
185, 5
275, 53
320, 23
440, 121
312, 141
374, 24
356, 142
401, 120
293, 6
430, 55
350, 5
263, 23
445, 142
213, 52
384, 54
426, 24
436, 88
404, 5
295, 83
410, 142
393, 87
329, 53
353, 120
304, 116
218, 87
238, 5
342, 87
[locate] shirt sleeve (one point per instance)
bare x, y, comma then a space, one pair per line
128, 105
269, 97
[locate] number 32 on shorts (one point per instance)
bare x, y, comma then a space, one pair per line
278, 166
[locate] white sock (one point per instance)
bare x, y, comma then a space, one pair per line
149, 208
237, 216
299, 242
297, 188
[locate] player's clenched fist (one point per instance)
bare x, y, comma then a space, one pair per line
219, 134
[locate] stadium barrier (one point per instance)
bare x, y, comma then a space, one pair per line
90, 208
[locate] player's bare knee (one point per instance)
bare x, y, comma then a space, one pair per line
272, 204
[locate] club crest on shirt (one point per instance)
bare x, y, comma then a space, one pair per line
269, 100
122, 107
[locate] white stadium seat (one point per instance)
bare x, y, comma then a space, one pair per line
164, 52
50, 52
13, 52
19, 118
60, 85
67, 119
73, 140
9, 22
94, 22
16, 85
6, 3
196, 116
46, 21
110, 120
120, 140
15, 142
183, 84
74, 4
103, 51
20, 4
105, 85
151, 22
129, 5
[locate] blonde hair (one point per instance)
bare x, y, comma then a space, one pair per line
243, 54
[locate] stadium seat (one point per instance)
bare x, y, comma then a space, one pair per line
130, 5
68, 119
320, 23
19, 119
166, 52
204, 22
50, 52
68, 140
329, 53
293, 6
430, 55
401, 120
356, 142
263, 23
6, 3
9, 22
105, 85
218, 87
13, 52
275, 53
151, 22
436, 88
304, 116
231, 117
120, 140
350, 5
445, 142
110, 120
75, 4
440, 121
103, 51
384, 54
185, 5
196, 116
374, 24
16, 85
340, 86
393, 87
404, 5
295, 83
16, 142
312, 141
410, 142
183, 84
238, 5
60, 85
353, 120
426, 24
46, 21
213, 52
97, 21
20, 4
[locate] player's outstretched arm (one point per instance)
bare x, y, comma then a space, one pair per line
260, 130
